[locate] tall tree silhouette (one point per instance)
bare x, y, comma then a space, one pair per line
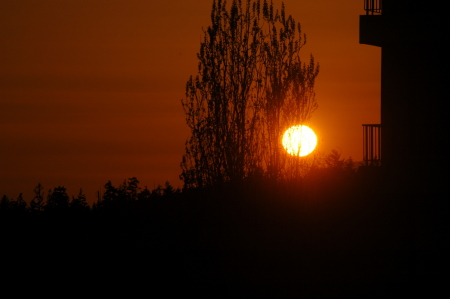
251, 85
289, 97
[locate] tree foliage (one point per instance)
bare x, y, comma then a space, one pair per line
37, 203
250, 87
58, 200
79, 203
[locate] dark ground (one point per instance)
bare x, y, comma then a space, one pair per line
336, 239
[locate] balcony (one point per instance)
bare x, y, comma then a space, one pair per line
373, 7
372, 145
371, 24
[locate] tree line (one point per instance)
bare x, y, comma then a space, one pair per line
57, 200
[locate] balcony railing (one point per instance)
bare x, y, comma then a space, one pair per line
372, 145
372, 6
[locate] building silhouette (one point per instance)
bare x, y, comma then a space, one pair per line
413, 37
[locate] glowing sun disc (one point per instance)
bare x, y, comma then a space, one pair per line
299, 140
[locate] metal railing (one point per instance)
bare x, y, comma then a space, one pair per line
372, 6
372, 145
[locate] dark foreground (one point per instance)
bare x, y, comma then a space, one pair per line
335, 239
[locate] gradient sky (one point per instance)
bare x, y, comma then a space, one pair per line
90, 90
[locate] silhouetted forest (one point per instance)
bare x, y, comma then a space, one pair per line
335, 232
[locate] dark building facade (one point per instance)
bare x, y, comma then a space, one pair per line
415, 103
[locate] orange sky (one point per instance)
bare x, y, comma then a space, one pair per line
90, 90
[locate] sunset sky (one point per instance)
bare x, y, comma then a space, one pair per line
90, 90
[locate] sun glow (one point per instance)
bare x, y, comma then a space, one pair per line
299, 140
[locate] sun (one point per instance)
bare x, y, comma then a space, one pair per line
299, 140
